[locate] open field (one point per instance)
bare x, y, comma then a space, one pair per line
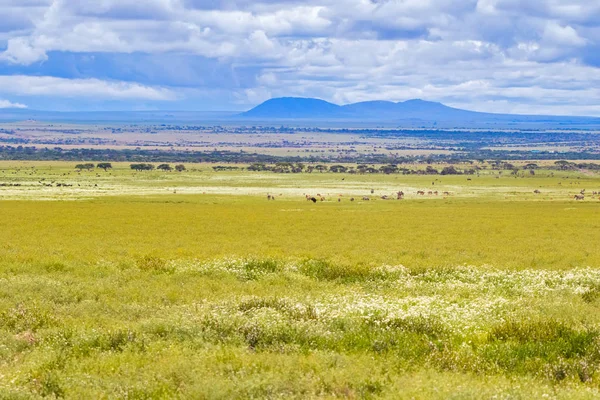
153, 284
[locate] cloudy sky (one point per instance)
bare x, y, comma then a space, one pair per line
520, 56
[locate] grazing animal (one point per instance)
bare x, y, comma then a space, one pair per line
446, 193
430, 193
579, 197
400, 195
268, 197
352, 199
372, 191
384, 197
314, 200
436, 193
420, 192
366, 198
537, 191
339, 200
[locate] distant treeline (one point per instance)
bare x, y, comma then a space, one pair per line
296, 168
27, 153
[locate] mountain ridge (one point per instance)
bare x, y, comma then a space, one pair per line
283, 108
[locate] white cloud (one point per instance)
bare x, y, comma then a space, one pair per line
24, 85
8, 104
20, 50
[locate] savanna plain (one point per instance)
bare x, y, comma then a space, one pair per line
193, 284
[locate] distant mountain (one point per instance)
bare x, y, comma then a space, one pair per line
307, 108
296, 107
412, 111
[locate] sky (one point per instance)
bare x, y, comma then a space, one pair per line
509, 56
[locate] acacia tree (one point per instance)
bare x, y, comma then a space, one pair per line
338, 168
87, 166
142, 167
164, 167
180, 167
105, 166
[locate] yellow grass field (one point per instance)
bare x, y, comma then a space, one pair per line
124, 284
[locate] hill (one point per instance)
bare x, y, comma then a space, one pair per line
416, 111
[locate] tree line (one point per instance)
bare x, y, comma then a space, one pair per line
137, 167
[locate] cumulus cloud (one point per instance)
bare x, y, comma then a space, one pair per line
476, 53
24, 85
8, 104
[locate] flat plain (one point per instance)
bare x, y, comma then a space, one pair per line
153, 284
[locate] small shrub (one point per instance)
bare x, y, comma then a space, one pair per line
154, 264
55, 267
591, 295
22, 318
325, 270
255, 268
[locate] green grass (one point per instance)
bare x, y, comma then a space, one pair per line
482, 294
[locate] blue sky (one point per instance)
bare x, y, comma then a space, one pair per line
520, 56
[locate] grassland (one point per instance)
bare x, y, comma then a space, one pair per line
193, 285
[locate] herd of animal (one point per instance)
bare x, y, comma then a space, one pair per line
399, 196
581, 195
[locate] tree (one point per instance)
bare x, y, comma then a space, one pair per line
258, 167
164, 167
87, 166
431, 171
180, 168
389, 169
450, 171
565, 165
531, 166
321, 167
338, 168
142, 167
105, 166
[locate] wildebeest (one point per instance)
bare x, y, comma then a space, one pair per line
420, 192
352, 199
400, 195
536, 191
314, 200
579, 197
366, 198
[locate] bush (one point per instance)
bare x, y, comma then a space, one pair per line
142, 167
87, 166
